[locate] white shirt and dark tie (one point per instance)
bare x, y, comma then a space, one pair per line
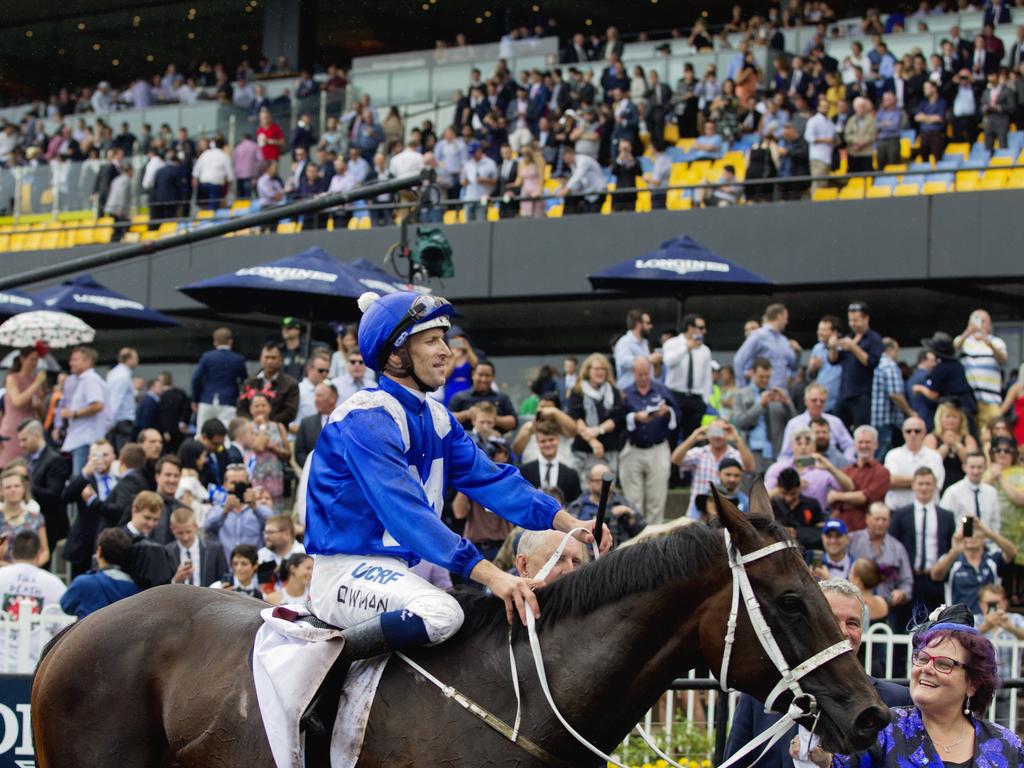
192, 553
926, 530
548, 472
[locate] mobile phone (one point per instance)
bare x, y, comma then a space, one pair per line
817, 558
968, 526
803, 461
265, 572
992, 608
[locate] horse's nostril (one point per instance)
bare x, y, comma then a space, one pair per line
871, 720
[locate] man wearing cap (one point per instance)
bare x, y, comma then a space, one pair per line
377, 482
948, 378
292, 358
730, 475
837, 562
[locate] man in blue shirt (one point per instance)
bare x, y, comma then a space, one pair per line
931, 123
109, 583
377, 483
770, 342
968, 566
645, 463
858, 356
634, 343
820, 368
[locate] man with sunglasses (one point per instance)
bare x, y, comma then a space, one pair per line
377, 483
902, 462
317, 368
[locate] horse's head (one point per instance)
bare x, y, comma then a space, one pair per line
803, 624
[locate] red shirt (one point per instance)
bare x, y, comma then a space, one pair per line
873, 481
272, 132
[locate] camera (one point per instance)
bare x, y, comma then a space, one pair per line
968, 526
239, 489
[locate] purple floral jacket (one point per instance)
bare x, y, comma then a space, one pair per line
904, 743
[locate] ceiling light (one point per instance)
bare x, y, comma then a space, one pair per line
191, 35
28, 33
115, 62
150, 57
81, 25
95, 46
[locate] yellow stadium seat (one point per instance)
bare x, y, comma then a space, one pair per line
462, 216
852, 191
33, 241
288, 227
555, 211
996, 162
330, 226
50, 240
240, 205
994, 182
81, 236
685, 144
895, 168
150, 235
675, 201
967, 180
875, 192
102, 234
936, 188
493, 214
131, 238
959, 148
1016, 179
678, 175
547, 173
905, 147
168, 228
606, 206
451, 216
353, 223
906, 190
671, 134
17, 242
365, 222
824, 194
204, 214
5, 243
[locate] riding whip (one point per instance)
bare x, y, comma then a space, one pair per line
602, 506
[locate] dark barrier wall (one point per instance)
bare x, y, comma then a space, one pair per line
912, 240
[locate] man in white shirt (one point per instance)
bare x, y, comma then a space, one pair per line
820, 135
479, 175
902, 462
279, 534
355, 378
85, 408
211, 175
358, 169
633, 344
584, 191
122, 396
970, 497
317, 368
688, 372
983, 356
25, 580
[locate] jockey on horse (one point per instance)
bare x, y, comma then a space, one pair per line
376, 487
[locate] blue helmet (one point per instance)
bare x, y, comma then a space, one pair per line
388, 322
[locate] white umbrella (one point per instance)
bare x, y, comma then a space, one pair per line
48, 363
58, 329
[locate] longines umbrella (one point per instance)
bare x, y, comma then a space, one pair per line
679, 267
102, 307
13, 302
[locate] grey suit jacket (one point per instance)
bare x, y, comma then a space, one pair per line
747, 411
1007, 102
212, 566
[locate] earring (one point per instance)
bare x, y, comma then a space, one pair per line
967, 706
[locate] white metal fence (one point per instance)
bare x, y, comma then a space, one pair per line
24, 632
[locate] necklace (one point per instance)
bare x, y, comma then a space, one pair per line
950, 747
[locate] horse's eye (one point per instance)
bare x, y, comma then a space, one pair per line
791, 603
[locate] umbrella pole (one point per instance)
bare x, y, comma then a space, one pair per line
680, 301
309, 337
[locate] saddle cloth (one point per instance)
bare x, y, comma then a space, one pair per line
290, 659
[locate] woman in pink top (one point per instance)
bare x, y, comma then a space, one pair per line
531, 184
23, 394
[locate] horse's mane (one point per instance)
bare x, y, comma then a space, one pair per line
684, 553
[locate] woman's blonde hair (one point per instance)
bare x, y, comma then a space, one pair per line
941, 411
594, 359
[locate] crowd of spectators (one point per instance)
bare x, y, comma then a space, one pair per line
585, 121
906, 480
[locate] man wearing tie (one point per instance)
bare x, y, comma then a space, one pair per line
214, 435
970, 497
547, 471
96, 473
325, 398
195, 561
687, 362
997, 105
926, 530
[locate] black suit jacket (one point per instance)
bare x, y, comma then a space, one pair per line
217, 463
903, 529
568, 479
305, 439
118, 504
49, 475
750, 719
175, 410
212, 565
147, 415
81, 539
152, 565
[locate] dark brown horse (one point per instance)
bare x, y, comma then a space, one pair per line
161, 679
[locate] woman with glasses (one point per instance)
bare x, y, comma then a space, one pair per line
952, 682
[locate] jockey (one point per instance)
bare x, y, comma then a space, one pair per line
377, 482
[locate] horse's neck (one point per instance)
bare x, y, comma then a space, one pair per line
614, 664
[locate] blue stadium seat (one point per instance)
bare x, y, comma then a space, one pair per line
222, 213
978, 152
1015, 141
886, 181
941, 178
1010, 153
910, 135
646, 165
950, 163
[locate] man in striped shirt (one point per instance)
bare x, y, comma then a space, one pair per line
983, 356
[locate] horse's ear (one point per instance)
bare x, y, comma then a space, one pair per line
760, 501
734, 521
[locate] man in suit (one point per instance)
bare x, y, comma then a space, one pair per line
925, 523
171, 190
81, 539
325, 398
219, 456
147, 415
1017, 51
577, 51
111, 510
48, 471
547, 471
175, 412
152, 564
750, 719
997, 105
762, 412
168, 476
996, 12
195, 561
281, 389
217, 380
659, 100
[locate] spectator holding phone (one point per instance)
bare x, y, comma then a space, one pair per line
818, 475
968, 566
242, 578
241, 517
996, 623
762, 411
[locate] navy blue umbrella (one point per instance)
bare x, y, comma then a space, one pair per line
310, 284
14, 302
101, 307
680, 266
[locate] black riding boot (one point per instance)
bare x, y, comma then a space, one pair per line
362, 641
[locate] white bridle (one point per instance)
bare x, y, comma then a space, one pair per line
803, 704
